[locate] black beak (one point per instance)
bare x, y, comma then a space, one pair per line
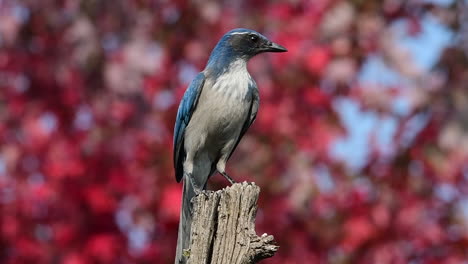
273, 47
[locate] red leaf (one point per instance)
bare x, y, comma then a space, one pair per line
357, 230
100, 200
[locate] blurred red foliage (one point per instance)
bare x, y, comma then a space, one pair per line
88, 96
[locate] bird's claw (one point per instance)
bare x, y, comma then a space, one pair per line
231, 180
204, 193
197, 189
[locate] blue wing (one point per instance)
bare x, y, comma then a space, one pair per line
184, 114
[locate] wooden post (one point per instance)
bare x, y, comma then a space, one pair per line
223, 227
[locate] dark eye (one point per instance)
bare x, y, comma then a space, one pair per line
253, 38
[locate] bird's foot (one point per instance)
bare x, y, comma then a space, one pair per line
227, 177
194, 184
197, 189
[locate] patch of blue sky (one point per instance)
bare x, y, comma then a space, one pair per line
354, 148
376, 72
444, 3
425, 49
323, 179
426, 46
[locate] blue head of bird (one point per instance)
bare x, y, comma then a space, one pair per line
241, 43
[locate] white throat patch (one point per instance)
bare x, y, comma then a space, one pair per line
236, 81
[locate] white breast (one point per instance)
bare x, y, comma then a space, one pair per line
222, 110
235, 83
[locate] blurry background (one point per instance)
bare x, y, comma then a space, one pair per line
360, 145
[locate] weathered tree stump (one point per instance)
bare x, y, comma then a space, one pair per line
223, 227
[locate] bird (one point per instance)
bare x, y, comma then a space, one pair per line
217, 108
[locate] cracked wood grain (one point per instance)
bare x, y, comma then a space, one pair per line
223, 227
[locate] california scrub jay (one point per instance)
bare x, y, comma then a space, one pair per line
217, 109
